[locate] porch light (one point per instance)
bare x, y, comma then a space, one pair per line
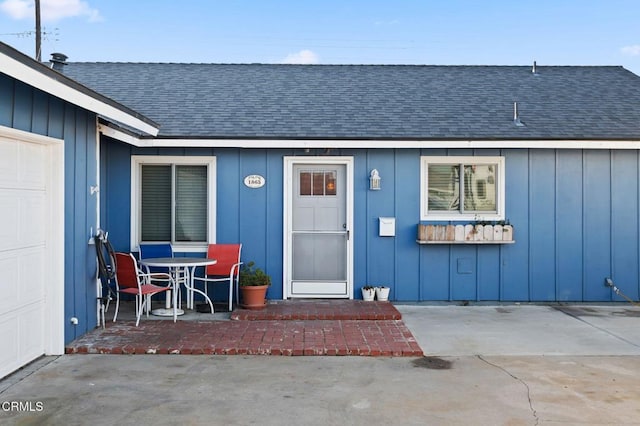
374, 180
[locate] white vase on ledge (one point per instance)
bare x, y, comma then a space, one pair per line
382, 293
368, 293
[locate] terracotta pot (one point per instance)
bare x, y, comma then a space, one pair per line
254, 296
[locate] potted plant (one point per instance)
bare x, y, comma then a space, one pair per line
253, 283
382, 293
368, 292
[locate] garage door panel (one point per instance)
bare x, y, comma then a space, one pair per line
31, 331
8, 285
8, 163
31, 277
9, 200
23, 165
32, 168
23, 217
23, 279
9, 336
22, 336
30, 199
33, 219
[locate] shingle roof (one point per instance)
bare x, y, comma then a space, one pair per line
373, 101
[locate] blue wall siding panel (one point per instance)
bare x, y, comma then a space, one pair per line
115, 216
542, 230
624, 222
228, 196
597, 224
407, 279
40, 121
55, 125
253, 209
488, 272
23, 104
515, 263
274, 225
380, 250
359, 231
73, 220
6, 100
435, 272
569, 215
463, 272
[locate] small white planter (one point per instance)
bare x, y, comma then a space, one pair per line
382, 293
368, 294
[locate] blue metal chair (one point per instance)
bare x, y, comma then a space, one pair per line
148, 251
162, 275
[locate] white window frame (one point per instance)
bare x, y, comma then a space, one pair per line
426, 215
136, 184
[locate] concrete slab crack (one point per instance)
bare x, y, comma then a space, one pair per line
533, 410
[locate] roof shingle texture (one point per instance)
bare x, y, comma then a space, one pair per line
373, 101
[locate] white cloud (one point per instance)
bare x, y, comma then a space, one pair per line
51, 10
304, 57
633, 50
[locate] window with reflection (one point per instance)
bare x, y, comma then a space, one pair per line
317, 183
461, 188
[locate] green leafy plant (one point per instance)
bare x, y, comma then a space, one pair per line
252, 276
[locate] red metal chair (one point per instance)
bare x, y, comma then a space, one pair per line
130, 280
226, 270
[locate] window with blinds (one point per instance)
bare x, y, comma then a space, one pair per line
462, 188
173, 203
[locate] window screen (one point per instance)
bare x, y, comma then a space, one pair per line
174, 203
156, 203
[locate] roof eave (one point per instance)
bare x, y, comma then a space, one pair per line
328, 143
23, 68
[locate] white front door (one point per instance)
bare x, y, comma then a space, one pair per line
318, 249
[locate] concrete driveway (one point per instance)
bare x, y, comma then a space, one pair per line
485, 365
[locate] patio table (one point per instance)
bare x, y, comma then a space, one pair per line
182, 269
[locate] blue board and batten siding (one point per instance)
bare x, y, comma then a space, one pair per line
575, 216
25, 108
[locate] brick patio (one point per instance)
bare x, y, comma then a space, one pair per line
293, 328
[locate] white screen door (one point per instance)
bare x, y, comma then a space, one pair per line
319, 231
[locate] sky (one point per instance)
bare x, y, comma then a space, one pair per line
433, 32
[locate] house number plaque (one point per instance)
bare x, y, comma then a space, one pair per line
254, 181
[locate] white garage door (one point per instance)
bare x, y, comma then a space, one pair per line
30, 269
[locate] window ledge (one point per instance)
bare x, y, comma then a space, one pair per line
465, 242
465, 234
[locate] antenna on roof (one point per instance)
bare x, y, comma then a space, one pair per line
534, 70
516, 116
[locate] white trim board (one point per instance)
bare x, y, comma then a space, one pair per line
362, 143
